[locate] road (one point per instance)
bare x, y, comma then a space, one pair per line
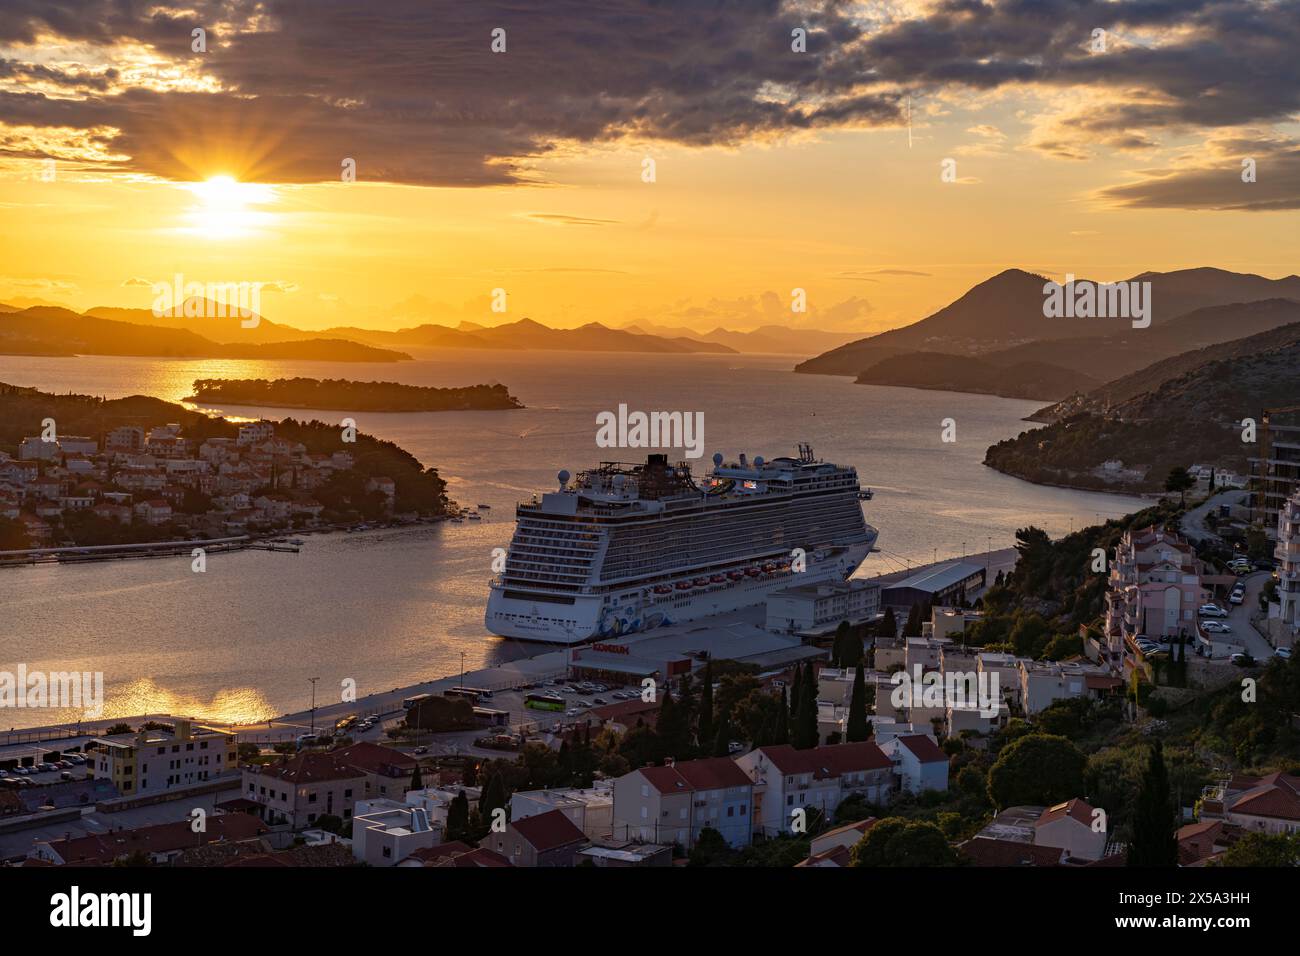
1193, 524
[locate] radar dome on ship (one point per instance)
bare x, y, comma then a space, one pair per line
563, 477
758, 461
619, 482
717, 459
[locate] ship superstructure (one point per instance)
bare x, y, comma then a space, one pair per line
627, 547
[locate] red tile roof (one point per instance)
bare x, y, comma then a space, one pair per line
983, 851
549, 830
311, 767
1075, 809
374, 758
162, 838
710, 773
826, 763
1277, 795
925, 749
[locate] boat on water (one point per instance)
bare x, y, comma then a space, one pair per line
629, 547
483, 507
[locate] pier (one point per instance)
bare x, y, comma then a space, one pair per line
147, 549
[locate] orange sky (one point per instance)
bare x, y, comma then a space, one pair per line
854, 215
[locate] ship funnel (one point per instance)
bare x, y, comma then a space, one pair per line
744, 462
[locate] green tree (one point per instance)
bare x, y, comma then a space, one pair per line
1180, 481
1154, 840
1263, 849
913, 626
804, 734
888, 625
896, 841
417, 781
458, 818
1039, 769
704, 729
673, 726
781, 734
493, 797
858, 728
722, 740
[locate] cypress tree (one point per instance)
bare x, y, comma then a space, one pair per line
841, 648
493, 796
858, 728
782, 733
704, 731
417, 782
796, 683
888, 626
804, 734
672, 726
1154, 841
913, 626
722, 742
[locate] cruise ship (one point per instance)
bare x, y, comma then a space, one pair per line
624, 548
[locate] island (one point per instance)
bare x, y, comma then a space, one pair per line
345, 395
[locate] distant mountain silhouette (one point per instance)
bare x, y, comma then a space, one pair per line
1006, 311
528, 334
54, 330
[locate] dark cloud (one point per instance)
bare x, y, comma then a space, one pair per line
1216, 183
412, 92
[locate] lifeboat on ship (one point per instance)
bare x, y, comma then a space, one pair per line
735, 575
701, 582
683, 585
663, 589
752, 572
718, 579
769, 568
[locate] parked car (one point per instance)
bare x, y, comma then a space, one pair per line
1236, 597
1216, 627
599, 701
1283, 652
1242, 660
77, 759
1212, 610
66, 775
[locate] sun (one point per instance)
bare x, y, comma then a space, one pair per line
227, 208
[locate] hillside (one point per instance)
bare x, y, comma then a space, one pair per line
1103, 399
418, 488
52, 330
1006, 312
958, 373
1189, 417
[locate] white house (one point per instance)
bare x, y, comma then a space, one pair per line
919, 762
386, 836
786, 780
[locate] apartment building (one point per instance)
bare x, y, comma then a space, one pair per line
1288, 559
1154, 588
547, 839
163, 759
300, 791
673, 803
918, 761
785, 780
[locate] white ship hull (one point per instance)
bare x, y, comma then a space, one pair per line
632, 609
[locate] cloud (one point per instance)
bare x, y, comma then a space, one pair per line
413, 93
559, 219
1210, 177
